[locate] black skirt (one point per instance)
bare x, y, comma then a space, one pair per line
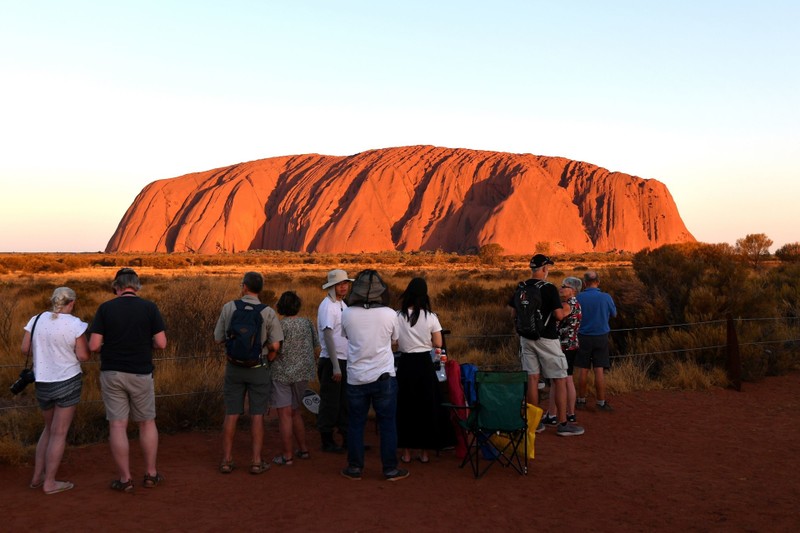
422, 422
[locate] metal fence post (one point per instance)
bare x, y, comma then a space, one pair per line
734, 366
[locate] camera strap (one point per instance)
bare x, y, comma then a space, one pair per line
30, 346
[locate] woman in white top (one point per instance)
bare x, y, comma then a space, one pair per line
418, 397
58, 345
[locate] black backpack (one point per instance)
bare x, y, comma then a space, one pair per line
243, 343
528, 304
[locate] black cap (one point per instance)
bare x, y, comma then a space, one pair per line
540, 260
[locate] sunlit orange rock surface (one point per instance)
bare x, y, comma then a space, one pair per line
408, 198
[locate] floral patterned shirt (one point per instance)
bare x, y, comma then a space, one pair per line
568, 326
295, 361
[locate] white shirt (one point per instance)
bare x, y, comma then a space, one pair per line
418, 338
53, 345
329, 315
369, 333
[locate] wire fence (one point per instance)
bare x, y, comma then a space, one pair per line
510, 339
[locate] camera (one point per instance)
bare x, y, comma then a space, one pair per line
25, 377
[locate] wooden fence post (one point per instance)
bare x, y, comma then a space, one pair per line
734, 365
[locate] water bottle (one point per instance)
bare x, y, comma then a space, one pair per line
441, 375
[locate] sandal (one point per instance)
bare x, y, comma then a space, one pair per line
226, 467
122, 486
259, 468
60, 487
302, 454
283, 461
151, 482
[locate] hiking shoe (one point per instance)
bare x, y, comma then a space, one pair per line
571, 418
569, 430
604, 407
550, 420
397, 473
540, 427
352, 473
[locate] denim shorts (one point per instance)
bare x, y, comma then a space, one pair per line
59, 393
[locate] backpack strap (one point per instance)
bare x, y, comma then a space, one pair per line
539, 284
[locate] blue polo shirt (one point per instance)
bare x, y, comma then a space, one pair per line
597, 307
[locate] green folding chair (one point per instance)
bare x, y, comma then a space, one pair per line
500, 410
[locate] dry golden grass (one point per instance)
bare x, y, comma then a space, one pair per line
469, 297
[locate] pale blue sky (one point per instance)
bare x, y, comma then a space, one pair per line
98, 99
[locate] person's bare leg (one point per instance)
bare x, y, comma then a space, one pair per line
552, 408
41, 449
228, 432
571, 396
299, 430
533, 389
582, 386
285, 429
560, 386
148, 440
118, 441
59, 426
257, 431
600, 383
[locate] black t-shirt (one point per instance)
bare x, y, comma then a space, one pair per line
551, 301
127, 324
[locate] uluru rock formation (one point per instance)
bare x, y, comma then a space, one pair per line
408, 198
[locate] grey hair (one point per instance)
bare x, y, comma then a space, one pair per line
573, 283
61, 298
126, 278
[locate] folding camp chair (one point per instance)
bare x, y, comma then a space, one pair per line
500, 409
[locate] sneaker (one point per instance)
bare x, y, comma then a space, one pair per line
397, 473
352, 473
569, 430
540, 427
571, 418
550, 420
604, 407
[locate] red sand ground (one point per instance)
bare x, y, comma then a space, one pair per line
667, 461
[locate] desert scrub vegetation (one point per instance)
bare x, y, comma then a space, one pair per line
670, 332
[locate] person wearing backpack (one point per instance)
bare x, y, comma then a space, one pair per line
252, 336
536, 308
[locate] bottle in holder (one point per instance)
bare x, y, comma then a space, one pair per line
441, 375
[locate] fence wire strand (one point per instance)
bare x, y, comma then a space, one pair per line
468, 338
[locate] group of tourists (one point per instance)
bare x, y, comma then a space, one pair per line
364, 353
573, 334
125, 330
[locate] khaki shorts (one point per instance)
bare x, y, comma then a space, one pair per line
288, 394
128, 396
543, 357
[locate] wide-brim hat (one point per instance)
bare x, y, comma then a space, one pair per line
335, 277
367, 288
